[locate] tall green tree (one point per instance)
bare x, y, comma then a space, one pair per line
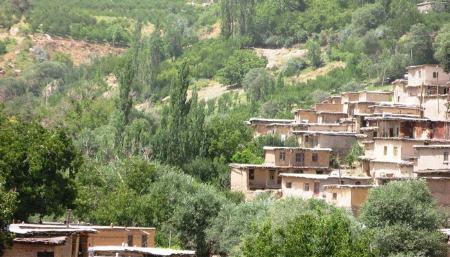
40, 165
442, 47
126, 81
404, 219
8, 204
419, 45
314, 53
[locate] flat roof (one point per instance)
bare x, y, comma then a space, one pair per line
272, 166
432, 171
60, 240
40, 229
401, 117
338, 186
333, 133
401, 162
323, 176
271, 120
296, 148
144, 250
423, 65
431, 146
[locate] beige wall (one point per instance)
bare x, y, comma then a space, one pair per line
31, 250
375, 97
273, 157
432, 158
306, 115
340, 144
395, 110
330, 117
239, 180
435, 107
348, 198
405, 149
385, 169
328, 127
298, 186
328, 107
119, 236
440, 188
424, 75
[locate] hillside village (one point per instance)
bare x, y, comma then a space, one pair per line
224, 128
404, 134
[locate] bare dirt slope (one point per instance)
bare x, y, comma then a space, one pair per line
81, 52
313, 74
279, 57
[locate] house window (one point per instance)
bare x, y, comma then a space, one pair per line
385, 150
306, 139
398, 99
130, 240
357, 183
251, 174
334, 196
282, 156
316, 188
45, 254
395, 150
435, 75
319, 172
272, 174
299, 158
288, 184
315, 157
298, 171
445, 157
306, 187
144, 240
397, 132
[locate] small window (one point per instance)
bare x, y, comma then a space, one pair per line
45, 254
319, 172
315, 157
299, 158
272, 174
334, 196
306, 139
357, 183
385, 150
298, 171
306, 187
395, 150
144, 239
398, 99
288, 184
282, 156
445, 157
435, 75
251, 174
130, 240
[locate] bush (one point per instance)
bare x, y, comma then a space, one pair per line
293, 67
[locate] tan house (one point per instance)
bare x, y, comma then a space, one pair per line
350, 197
263, 127
251, 179
427, 87
58, 240
433, 165
307, 186
340, 142
47, 241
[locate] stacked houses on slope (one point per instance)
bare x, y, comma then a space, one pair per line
405, 134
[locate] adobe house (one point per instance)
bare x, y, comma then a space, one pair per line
427, 87
261, 126
253, 178
125, 251
433, 165
340, 142
350, 197
308, 186
333, 100
305, 116
47, 241
408, 127
58, 240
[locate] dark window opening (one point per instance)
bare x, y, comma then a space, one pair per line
319, 172
282, 156
306, 187
45, 254
251, 174
315, 157
130, 240
288, 184
334, 196
144, 240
